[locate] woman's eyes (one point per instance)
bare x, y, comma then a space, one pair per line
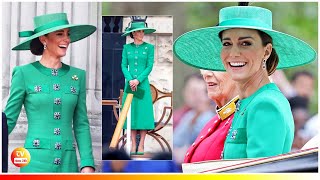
226, 44
245, 43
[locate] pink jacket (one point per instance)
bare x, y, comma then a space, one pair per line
210, 142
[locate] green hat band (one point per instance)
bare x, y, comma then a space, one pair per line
51, 25
26, 33
42, 28
245, 22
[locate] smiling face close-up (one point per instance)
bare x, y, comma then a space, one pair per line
220, 86
138, 35
57, 42
243, 52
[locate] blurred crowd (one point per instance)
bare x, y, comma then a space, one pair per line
300, 90
189, 119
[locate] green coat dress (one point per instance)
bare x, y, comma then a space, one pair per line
263, 126
55, 104
137, 63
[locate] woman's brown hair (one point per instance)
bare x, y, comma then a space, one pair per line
273, 59
36, 47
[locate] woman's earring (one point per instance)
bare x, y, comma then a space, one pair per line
264, 64
44, 46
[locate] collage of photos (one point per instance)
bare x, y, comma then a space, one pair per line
159, 87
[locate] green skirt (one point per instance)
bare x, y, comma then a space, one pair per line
142, 117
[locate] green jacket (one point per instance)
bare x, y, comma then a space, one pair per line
137, 63
263, 126
55, 104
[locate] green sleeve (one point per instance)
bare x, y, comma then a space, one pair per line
145, 73
124, 64
81, 126
266, 130
16, 98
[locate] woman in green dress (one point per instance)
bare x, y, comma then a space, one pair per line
245, 45
136, 65
54, 98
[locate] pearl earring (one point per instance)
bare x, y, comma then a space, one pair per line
44, 46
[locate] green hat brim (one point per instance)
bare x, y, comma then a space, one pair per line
201, 48
146, 31
77, 32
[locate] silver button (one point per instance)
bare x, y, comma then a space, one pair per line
36, 143
201, 137
136, 57
73, 89
193, 144
209, 129
57, 101
54, 72
37, 88
187, 154
57, 161
135, 63
56, 115
56, 87
234, 134
135, 70
57, 145
56, 131
238, 104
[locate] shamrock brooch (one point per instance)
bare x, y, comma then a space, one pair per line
75, 77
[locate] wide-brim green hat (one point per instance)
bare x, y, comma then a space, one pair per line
136, 26
201, 48
48, 23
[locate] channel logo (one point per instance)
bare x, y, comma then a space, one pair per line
20, 157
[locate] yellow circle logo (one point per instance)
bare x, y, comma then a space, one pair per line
20, 157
